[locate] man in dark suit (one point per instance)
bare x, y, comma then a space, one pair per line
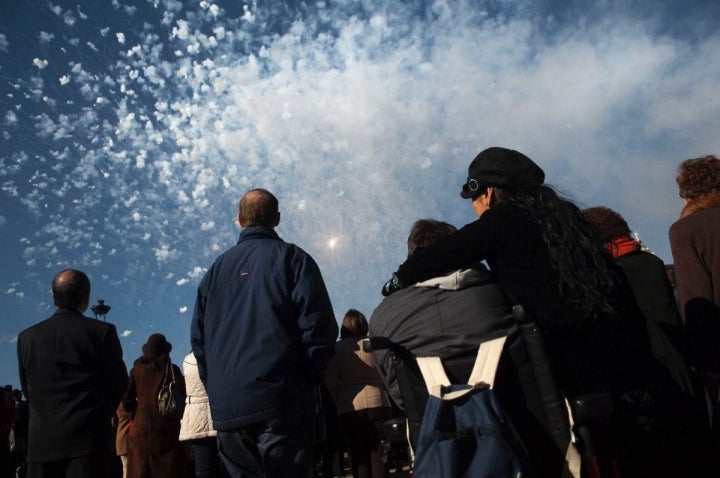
73, 375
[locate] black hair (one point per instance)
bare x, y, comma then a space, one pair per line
587, 276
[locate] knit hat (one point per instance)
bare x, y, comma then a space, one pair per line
156, 345
501, 167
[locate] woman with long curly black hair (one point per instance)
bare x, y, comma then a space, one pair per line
549, 259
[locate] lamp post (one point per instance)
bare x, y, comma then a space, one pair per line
100, 309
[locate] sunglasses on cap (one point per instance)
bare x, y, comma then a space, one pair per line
473, 186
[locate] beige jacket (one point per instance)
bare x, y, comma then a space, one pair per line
352, 380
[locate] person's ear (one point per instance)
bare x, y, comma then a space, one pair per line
84, 305
491, 195
240, 220
277, 219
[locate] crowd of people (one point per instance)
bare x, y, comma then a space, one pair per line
269, 391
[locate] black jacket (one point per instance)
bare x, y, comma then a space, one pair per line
73, 375
589, 354
447, 323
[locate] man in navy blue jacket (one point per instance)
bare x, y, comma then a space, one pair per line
263, 331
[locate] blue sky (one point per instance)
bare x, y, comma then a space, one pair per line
128, 131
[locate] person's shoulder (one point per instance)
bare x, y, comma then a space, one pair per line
397, 304
688, 226
190, 359
98, 325
296, 252
640, 256
27, 334
38, 327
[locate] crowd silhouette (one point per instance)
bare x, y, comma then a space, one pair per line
268, 390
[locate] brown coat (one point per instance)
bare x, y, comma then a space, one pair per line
695, 243
154, 450
124, 421
352, 380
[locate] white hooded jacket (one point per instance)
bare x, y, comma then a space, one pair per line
196, 421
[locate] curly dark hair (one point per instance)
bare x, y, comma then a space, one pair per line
587, 275
698, 176
610, 223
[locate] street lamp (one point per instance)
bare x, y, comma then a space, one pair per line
100, 309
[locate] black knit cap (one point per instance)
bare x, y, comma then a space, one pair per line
156, 345
501, 167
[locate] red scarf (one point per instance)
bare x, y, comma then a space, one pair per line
622, 245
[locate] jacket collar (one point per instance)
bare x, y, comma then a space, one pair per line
708, 201
65, 312
257, 232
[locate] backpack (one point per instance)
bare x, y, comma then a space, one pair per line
465, 432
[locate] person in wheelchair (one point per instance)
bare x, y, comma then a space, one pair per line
450, 316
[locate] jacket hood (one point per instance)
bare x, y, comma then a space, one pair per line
459, 279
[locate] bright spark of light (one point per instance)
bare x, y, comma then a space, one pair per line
332, 242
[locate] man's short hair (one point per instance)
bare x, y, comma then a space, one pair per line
70, 288
610, 223
427, 231
354, 324
258, 207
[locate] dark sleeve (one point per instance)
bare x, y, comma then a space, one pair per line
115, 371
180, 380
197, 330
129, 400
384, 366
468, 245
316, 319
21, 368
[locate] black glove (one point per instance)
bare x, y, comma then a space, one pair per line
391, 286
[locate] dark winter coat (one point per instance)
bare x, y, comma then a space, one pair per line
263, 331
73, 374
443, 322
610, 353
695, 243
652, 289
436, 318
154, 450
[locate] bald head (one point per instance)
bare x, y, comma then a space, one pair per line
71, 290
258, 207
